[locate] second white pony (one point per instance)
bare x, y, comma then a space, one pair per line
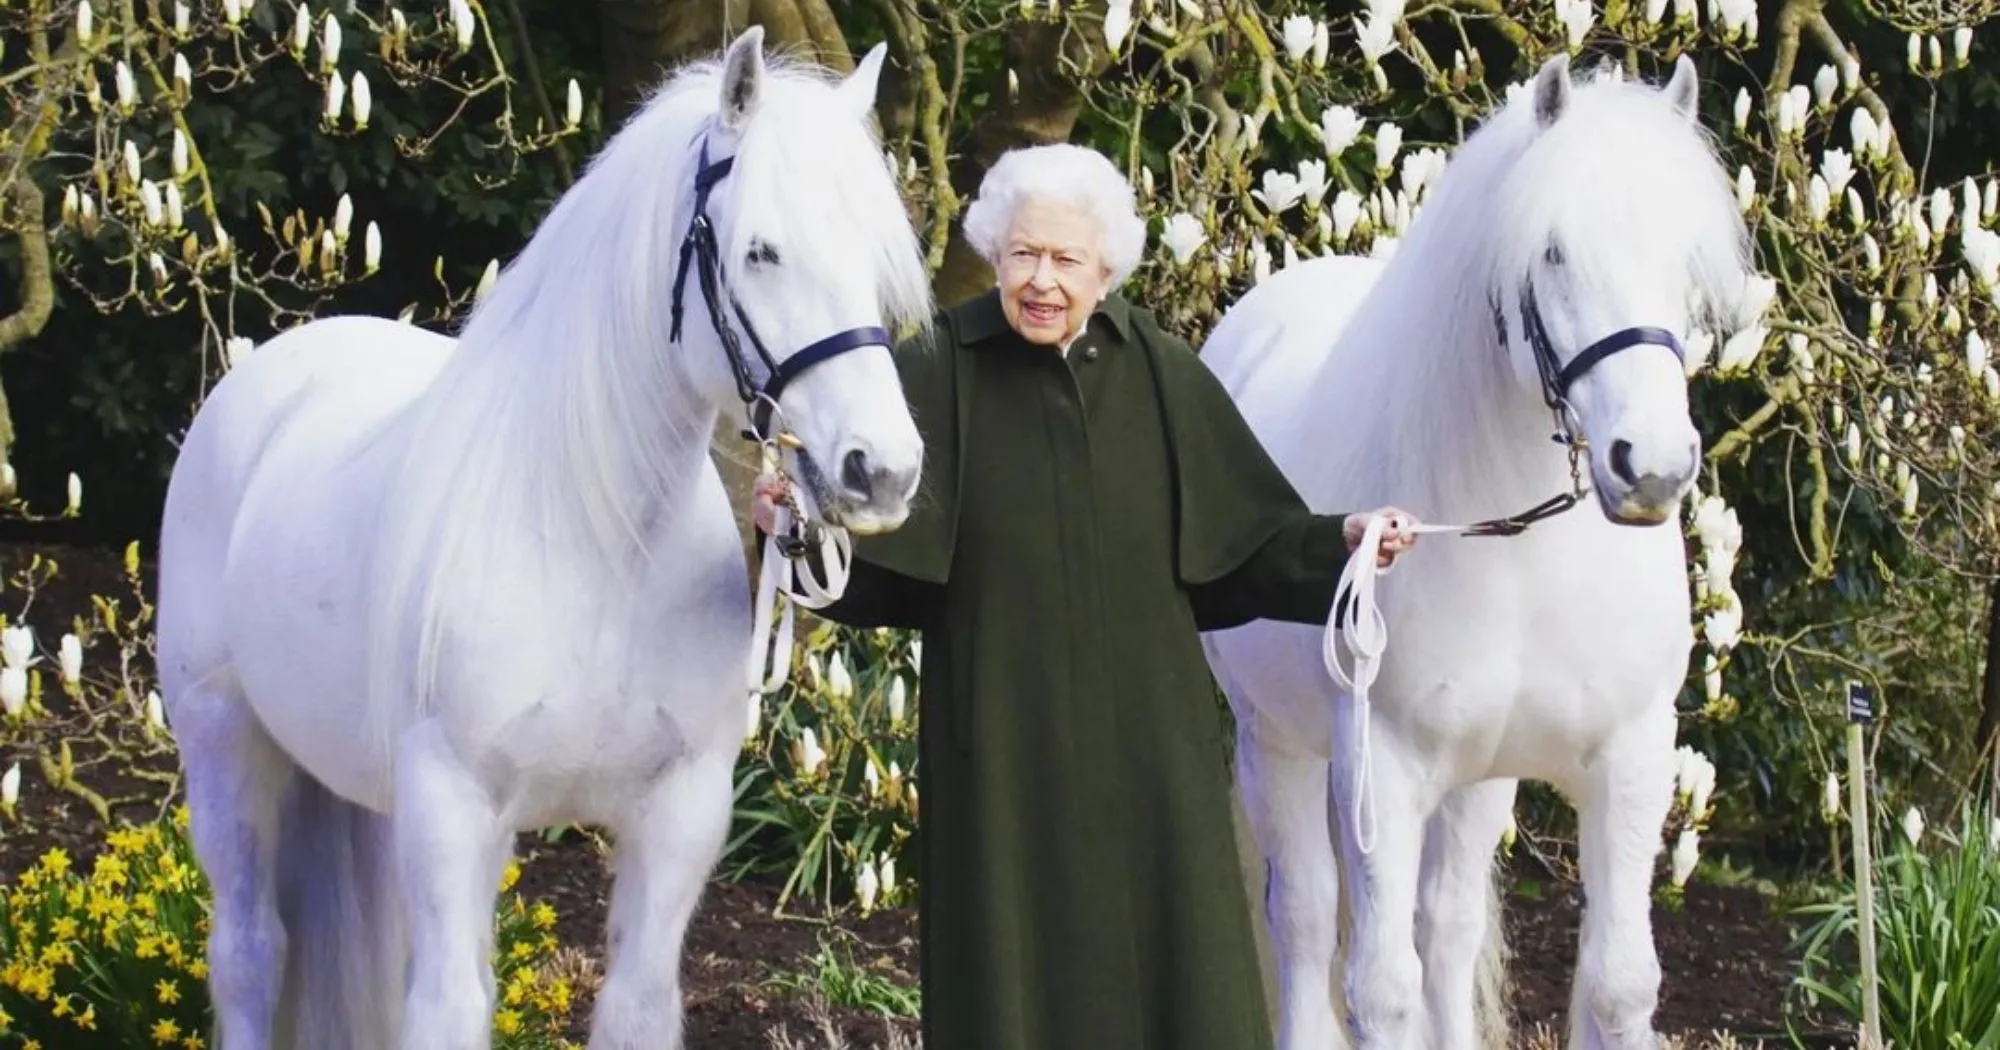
1546, 287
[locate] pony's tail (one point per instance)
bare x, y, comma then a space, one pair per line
342, 920
1490, 997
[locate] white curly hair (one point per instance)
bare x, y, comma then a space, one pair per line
1071, 174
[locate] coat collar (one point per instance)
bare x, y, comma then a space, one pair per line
981, 317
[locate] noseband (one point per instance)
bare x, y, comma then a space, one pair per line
699, 248
1557, 378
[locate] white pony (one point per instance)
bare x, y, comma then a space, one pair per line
418, 594
1569, 245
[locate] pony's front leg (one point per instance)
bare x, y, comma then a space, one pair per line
1453, 922
1381, 848
451, 849
669, 841
1284, 794
1624, 799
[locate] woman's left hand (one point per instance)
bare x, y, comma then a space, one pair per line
1398, 536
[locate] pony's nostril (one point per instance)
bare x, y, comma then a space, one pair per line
854, 472
1621, 461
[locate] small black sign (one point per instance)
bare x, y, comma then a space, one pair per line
1860, 703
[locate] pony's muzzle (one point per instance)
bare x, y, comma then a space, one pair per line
874, 494
1648, 491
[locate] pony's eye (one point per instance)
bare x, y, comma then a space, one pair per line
1553, 254
762, 254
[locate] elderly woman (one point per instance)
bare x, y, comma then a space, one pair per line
1092, 501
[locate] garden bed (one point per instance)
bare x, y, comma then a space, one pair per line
749, 973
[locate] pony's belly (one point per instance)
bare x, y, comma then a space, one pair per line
1535, 690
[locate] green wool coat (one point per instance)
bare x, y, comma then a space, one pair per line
1081, 520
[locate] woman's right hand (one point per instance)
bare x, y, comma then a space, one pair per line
769, 489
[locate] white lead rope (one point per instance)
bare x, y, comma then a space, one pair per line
771, 652
1365, 634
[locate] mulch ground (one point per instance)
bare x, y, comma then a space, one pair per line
1724, 952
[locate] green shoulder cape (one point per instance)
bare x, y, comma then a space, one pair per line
1230, 498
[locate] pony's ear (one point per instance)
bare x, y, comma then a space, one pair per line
858, 90
742, 78
1683, 90
1552, 89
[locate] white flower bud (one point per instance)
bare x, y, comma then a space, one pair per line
371, 248
363, 100
1913, 825
573, 105
1829, 806
180, 153
1686, 852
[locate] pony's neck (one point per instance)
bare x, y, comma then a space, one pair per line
573, 412
1456, 435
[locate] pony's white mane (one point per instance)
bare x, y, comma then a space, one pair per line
566, 415
1632, 191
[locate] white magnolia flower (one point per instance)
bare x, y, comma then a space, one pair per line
156, 713
1388, 139
1700, 343
1853, 449
838, 684
301, 28
1819, 199
1346, 213
371, 247
1375, 36
1711, 678
13, 689
10, 786
1742, 108
70, 658
75, 493
1117, 23
812, 760
1961, 46
462, 23
1577, 17
1298, 35
329, 43
1746, 188
1825, 83
363, 100
1975, 353
1339, 126
573, 105
17, 646
898, 699
234, 349
1838, 166
127, 88
1741, 351
1312, 180
1279, 192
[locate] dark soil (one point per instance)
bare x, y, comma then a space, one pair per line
1724, 952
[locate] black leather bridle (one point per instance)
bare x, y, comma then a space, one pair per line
1557, 378
699, 250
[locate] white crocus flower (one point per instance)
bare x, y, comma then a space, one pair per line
1686, 852
1913, 825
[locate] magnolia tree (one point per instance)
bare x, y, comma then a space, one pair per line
111, 197
106, 113
1860, 389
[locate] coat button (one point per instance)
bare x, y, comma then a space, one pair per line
1090, 353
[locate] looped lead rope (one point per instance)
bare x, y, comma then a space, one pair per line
1356, 623
771, 651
